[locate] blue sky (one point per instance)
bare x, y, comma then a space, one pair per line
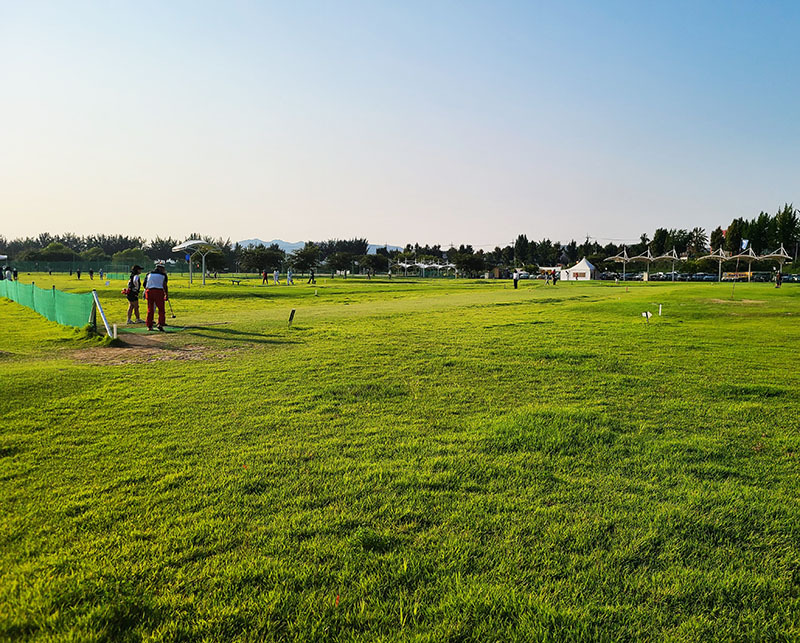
433, 122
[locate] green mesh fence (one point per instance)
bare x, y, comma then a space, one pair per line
66, 308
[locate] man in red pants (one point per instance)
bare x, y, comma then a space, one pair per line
156, 293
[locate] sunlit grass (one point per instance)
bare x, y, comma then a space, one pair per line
410, 460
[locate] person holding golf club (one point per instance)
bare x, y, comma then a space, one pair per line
156, 293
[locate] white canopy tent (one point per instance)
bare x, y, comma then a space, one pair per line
3, 257
581, 271
199, 246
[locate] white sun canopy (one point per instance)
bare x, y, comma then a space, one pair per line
199, 246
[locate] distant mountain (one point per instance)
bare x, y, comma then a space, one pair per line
288, 246
372, 247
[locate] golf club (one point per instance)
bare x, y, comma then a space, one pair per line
172, 312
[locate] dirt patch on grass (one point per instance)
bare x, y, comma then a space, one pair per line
140, 349
737, 301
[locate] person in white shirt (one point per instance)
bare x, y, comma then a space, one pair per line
156, 293
275, 276
289, 277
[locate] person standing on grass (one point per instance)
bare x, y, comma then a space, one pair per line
289, 277
134, 287
516, 280
263, 276
156, 293
778, 279
311, 278
276, 277
78, 272
91, 273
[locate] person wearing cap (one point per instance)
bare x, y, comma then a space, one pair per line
156, 293
132, 294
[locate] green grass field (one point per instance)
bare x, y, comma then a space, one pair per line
410, 461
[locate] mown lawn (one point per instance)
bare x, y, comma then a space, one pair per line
410, 461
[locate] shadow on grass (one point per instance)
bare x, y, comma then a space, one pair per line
229, 334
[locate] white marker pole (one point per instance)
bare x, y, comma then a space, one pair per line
659, 310
102, 314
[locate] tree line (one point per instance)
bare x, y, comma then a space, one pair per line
763, 233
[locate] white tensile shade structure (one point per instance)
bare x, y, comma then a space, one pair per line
748, 257
648, 258
718, 255
422, 266
670, 256
623, 258
405, 265
3, 257
780, 255
199, 246
581, 271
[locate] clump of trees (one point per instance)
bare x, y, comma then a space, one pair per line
764, 232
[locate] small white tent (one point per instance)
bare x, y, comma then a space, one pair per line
581, 271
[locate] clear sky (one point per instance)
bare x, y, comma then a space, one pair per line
431, 121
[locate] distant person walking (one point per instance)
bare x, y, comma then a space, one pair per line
91, 273
289, 277
132, 294
555, 277
15, 274
311, 278
264, 277
779, 279
101, 273
156, 293
9, 274
516, 279
276, 277
78, 272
